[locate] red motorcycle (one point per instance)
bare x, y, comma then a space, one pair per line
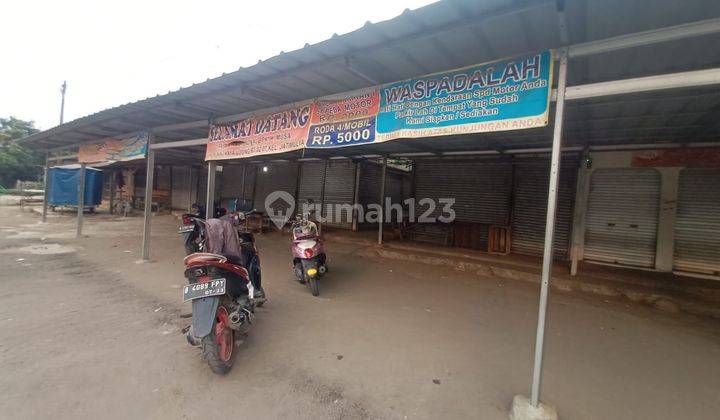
224, 290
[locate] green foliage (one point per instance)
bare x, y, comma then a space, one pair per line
16, 161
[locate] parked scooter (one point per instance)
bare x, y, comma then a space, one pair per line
193, 233
193, 227
223, 306
225, 290
309, 259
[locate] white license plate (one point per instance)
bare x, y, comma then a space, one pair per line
213, 287
186, 228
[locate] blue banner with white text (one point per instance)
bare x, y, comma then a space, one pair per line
504, 95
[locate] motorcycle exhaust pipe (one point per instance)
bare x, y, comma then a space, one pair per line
322, 269
237, 317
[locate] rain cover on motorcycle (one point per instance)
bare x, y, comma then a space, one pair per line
222, 238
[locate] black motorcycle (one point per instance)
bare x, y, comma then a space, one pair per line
224, 290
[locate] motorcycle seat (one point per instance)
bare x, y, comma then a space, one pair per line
232, 259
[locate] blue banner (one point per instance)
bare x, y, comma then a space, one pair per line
504, 95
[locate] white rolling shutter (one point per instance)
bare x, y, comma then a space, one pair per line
697, 226
622, 217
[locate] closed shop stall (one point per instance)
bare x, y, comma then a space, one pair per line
278, 177
339, 190
530, 194
622, 216
311, 183
202, 184
480, 187
237, 183
370, 182
697, 224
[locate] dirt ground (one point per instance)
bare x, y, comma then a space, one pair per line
87, 332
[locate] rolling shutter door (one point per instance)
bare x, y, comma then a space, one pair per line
310, 187
277, 178
532, 180
697, 226
232, 180
339, 186
481, 188
622, 216
202, 184
370, 177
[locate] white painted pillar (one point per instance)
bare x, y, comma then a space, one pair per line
550, 226
578, 228
149, 182
381, 216
210, 196
665, 250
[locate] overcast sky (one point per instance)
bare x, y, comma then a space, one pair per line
114, 52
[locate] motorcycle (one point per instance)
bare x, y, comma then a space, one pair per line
224, 290
193, 233
309, 259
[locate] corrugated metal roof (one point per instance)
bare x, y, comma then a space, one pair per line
451, 34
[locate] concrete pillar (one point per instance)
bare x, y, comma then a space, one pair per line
210, 197
149, 182
665, 251
80, 200
582, 191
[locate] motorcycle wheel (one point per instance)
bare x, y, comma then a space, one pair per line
217, 347
298, 272
255, 271
314, 286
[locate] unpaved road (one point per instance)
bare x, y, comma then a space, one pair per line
85, 332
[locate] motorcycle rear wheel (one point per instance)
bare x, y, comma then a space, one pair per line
314, 286
218, 346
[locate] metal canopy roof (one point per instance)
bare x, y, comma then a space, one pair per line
442, 36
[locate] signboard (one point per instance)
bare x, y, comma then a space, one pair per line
113, 150
695, 157
277, 132
504, 95
345, 122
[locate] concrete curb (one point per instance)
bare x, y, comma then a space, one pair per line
658, 299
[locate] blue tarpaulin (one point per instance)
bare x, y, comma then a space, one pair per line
63, 186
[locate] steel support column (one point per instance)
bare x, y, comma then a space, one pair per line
210, 196
356, 196
322, 197
46, 185
149, 182
381, 216
550, 225
80, 200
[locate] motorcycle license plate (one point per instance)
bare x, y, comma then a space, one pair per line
213, 287
186, 228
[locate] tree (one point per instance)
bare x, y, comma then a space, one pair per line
16, 161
